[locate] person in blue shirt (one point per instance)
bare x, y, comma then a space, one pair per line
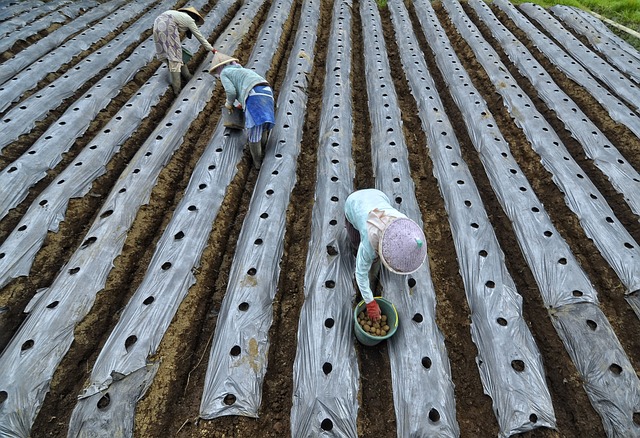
247, 90
381, 234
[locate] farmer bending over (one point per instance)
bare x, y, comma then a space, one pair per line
166, 36
381, 233
251, 93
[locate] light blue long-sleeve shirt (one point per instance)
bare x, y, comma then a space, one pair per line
357, 209
238, 82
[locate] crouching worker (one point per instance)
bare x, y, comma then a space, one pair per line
381, 234
166, 36
248, 91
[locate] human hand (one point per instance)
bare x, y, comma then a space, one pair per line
238, 105
373, 310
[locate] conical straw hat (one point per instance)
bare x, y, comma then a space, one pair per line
403, 246
194, 14
219, 59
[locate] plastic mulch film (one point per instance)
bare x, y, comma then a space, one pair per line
508, 359
600, 68
614, 242
123, 367
11, 10
325, 371
45, 16
624, 178
48, 209
30, 359
24, 79
595, 25
238, 359
28, 78
592, 351
421, 377
616, 109
24, 242
601, 42
609, 378
46, 152
560, 284
20, 120
606, 157
16, 16
53, 40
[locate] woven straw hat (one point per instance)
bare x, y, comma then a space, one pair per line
194, 14
219, 59
403, 246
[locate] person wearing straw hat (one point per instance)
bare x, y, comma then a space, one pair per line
166, 36
381, 234
248, 91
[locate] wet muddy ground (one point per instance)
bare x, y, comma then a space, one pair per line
171, 404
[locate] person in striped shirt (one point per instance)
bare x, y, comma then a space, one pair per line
166, 36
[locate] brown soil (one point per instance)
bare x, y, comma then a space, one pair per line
171, 405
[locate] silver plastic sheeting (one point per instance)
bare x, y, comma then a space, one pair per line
22, 174
609, 379
624, 178
48, 209
599, 41
616, 109
20, 120
423, 395
564, 287
118, 414
615, 243
53, 40
27, 78
238, 359
600, 68
122, 366
30, 359
40, 19
14, 17
508, 359
560, 284
325, 371
17, 9
633, 299
595, 25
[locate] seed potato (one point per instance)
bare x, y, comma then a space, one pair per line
377, 328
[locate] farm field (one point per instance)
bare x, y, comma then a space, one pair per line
153, 283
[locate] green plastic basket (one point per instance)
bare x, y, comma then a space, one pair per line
186, 55
388, 309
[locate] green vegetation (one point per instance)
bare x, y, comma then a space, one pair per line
381, 3
624, 12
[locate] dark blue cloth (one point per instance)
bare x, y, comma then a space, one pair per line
259, 108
